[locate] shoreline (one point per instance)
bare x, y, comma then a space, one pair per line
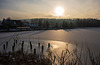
18, 30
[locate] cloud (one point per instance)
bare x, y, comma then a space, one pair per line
45, 8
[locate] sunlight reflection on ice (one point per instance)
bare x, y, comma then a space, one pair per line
55, 46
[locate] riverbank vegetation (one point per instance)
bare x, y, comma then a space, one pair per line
47, 24
66, 57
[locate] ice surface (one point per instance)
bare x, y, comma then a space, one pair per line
57, 38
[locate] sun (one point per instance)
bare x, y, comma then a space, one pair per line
59, 11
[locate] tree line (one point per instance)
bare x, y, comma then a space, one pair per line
68, 23
49, 23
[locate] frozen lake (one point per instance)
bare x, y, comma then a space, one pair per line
57, 38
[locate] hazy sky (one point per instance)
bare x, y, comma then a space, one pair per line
22, 9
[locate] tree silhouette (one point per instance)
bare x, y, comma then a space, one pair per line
64, 24
56, 25
40, 24
70, 25
47, 24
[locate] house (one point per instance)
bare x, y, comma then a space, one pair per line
33, 25
17, 23
8, 23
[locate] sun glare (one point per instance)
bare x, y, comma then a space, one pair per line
59, 11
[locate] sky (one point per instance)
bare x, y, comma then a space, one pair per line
27, 9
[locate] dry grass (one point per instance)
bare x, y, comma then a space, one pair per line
20, 58
67, 57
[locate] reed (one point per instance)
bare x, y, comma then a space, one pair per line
66, 57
